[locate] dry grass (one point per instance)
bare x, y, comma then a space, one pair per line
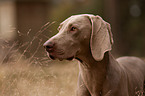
37, 76
34, 76
23, 79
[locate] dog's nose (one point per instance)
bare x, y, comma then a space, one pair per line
49, 46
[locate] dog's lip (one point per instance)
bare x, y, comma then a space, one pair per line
70, 58
53, 58
50, 51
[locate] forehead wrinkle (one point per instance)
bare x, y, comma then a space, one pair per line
73, 20
67, 22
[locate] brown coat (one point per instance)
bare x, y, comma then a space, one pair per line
88, 38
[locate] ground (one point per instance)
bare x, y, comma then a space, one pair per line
23, 78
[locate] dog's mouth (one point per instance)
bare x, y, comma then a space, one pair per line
52, 57
69, 58
61, 56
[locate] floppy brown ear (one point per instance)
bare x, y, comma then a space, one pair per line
101, 37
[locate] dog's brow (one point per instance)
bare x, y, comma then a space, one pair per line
59, 27
60, 24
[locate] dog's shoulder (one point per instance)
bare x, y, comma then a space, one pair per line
132, 64
131, 60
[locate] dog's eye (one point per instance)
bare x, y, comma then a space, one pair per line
59, 28
73, 28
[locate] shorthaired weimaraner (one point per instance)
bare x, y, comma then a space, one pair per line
88, 38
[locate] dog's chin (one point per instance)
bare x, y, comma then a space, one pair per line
61, 58
52, 57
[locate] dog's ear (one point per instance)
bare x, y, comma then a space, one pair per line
101, 37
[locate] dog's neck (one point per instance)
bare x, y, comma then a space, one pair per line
94, 72
88, 61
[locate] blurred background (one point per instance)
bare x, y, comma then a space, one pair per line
26, 24
127, 18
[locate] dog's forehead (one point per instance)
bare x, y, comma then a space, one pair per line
78, 18
75, 19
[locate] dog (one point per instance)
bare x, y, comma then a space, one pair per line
88, 38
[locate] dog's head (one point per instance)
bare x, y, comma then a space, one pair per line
79, 34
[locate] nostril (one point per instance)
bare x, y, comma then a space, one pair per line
49, 46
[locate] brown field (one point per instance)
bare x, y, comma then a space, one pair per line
33, 78
26, 79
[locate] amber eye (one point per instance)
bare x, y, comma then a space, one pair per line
59, 28
73, 28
